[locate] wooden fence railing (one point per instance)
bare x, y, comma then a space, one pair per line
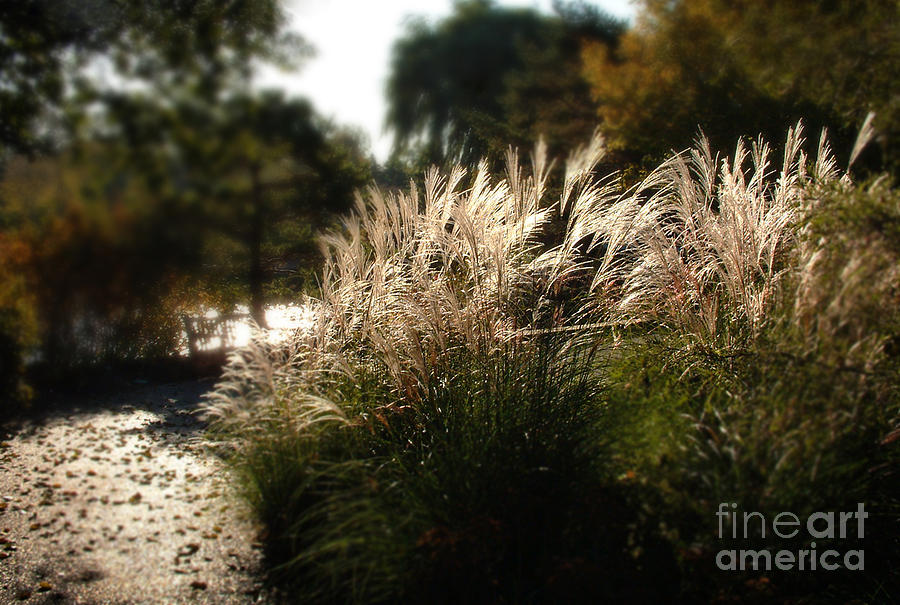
211, 335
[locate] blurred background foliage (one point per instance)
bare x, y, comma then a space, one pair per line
488, 77
747, 67
47, 47
144, 177
143, 174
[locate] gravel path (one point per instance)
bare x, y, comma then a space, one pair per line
121, 502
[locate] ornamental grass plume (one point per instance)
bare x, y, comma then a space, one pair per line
704, 246
701, 245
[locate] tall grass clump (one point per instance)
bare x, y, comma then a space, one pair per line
761, 313
477, 417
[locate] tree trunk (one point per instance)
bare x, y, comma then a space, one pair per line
256, 276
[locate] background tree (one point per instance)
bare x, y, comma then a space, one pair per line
169, 208
269, 171
46, 44
744, 67
97, 257
166, 188
487, 77
549, 97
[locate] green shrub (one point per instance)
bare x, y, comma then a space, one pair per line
770, 431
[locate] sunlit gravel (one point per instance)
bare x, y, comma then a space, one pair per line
122, 502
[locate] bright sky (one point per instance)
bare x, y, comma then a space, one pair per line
353, 38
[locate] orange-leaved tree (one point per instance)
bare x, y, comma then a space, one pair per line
736, 67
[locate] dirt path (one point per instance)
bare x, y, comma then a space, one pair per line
122, 503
